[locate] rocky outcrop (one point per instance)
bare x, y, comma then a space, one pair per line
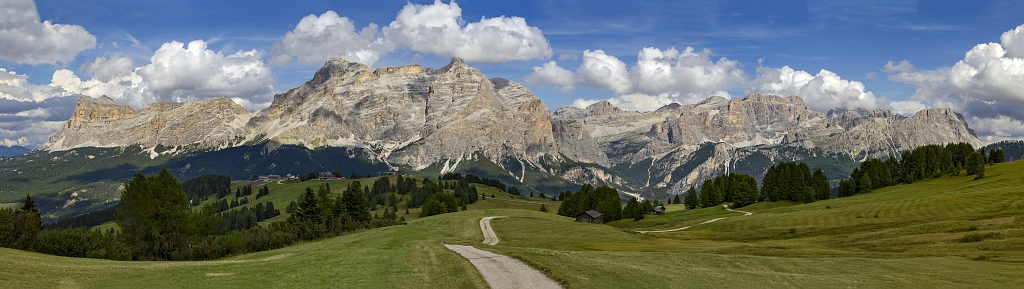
99, 122
411, 115
669, 137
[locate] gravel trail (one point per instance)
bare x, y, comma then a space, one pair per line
502, 272
687, 227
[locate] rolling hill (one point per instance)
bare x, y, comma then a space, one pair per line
951, 232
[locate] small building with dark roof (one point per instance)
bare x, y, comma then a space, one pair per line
589, 216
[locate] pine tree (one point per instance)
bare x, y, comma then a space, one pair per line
975, 164
691, 201
633, 210
30, 205
355, 203
864, 184
676, 200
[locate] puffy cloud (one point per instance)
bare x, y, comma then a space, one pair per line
176, 73
987, 85
28, 133
105, 69
316, 39
552, 74
180, 73
440, 29
24, 39
907, 107
22, 141
603, 71
686, 71
997, 128
659, 77
14, 86
1013, 41
821, 92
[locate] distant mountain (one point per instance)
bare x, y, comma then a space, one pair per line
427, 122
10, 151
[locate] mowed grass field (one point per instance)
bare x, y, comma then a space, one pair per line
952, 232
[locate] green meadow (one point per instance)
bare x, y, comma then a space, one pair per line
951, 232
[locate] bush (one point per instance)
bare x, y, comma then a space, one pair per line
978, 237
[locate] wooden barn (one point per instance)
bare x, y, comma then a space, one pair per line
590, 216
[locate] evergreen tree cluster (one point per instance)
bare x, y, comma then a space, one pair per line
636, 209
737, 188
996, 156
157, 223
202, 187
19, 228
243, 191
925, 162
419, 196
603, 199
85, 220
247, 218
791, 181
439, 204
475, 180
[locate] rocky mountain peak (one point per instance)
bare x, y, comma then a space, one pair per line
101, 122
760, 97
714, 99
602, 108
98, 109
337, 67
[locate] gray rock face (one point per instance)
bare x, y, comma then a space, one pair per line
668, 137
413, 117
100, 122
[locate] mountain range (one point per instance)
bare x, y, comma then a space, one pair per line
423, 121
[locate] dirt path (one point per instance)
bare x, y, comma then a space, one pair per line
501, 271
705, 222
489, 237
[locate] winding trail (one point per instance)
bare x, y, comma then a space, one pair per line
502, 272
485, 226
705, 222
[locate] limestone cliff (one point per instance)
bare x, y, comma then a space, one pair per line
411, 115
100, 122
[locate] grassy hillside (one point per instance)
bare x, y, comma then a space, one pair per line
950, 216
952, 232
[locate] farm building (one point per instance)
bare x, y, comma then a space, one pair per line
590, 216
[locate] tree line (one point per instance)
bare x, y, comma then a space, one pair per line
925, 162
737, 188
603, 199
157, 223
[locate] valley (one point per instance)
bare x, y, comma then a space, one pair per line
949, 232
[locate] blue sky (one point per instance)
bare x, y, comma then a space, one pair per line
833, 54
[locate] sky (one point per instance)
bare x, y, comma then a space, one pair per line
640, 55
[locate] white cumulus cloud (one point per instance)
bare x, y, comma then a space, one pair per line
439, 29
987, 85
820, 92
25, 39
551, 74
317, 39
180, 73
176, 73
